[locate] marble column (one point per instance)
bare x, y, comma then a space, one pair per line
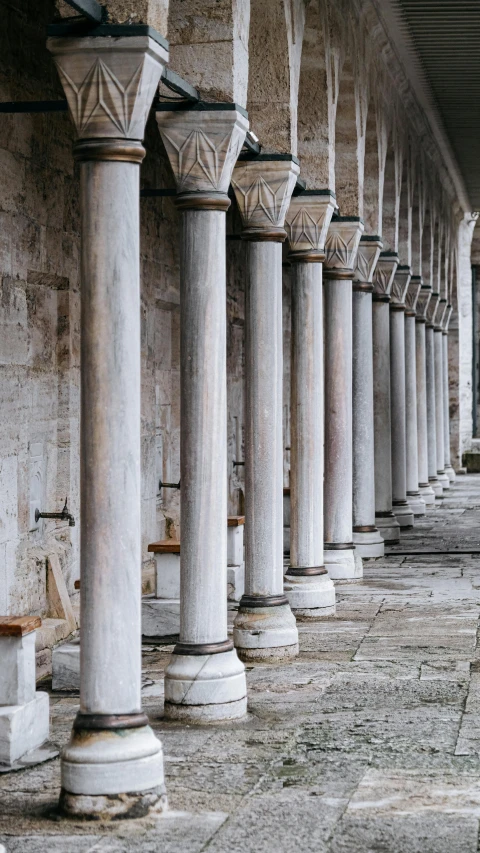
366, 537
401, 508
110, 85
264, 627
382, 283
424, 486
446, 401
431, 407
204, 680
414, 498
341, 255
308, 587
439, 407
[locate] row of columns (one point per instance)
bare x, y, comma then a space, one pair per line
352, 409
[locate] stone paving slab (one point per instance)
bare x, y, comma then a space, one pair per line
369, 742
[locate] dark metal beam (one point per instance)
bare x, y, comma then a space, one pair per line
180, 86
90, 9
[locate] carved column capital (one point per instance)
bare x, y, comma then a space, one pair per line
384, 275
446, 319
307, 221
367, 257
400, 284
431, 311
413, 292
423, 300
441, 314
341, 246
109, 84
263, 187
203, 146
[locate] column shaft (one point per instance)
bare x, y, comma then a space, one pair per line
446, 410
203, 438
263, 421
339, 553
110, 549
386, 521
307, 584
431, 412
439, 409
422, 428
367, 539
416, 502
401, 509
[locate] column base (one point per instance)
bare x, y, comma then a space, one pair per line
23, 728
443, 479
403, 514
427, 493
436, 486
310, 596
112, 773
416, 504
343, 564
368, 543
388, 527
205, 688
121, 806
265, 633
450, 473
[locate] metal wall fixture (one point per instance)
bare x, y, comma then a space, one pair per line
64, 515
162, 485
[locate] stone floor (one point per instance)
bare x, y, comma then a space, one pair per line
368, 743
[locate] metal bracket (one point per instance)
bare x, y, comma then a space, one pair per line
90, 9
168, 485
64, 515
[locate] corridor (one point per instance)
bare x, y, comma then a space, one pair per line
369, 742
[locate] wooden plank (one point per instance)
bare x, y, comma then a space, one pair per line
235, 520
165, 546
18, 626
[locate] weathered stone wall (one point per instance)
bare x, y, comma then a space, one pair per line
39, 327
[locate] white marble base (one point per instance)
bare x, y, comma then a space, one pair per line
112, 762
417, 505
427, 494
265, 633
160, 616
451, 473
310, 596
42, 753
23, 727
369, 543
343, 564
444, 479
437, 488
235, 582
205, 688
17, 669
167, 575
388, 528
404, 515
66, 666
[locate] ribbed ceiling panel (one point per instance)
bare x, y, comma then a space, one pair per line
446, 36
